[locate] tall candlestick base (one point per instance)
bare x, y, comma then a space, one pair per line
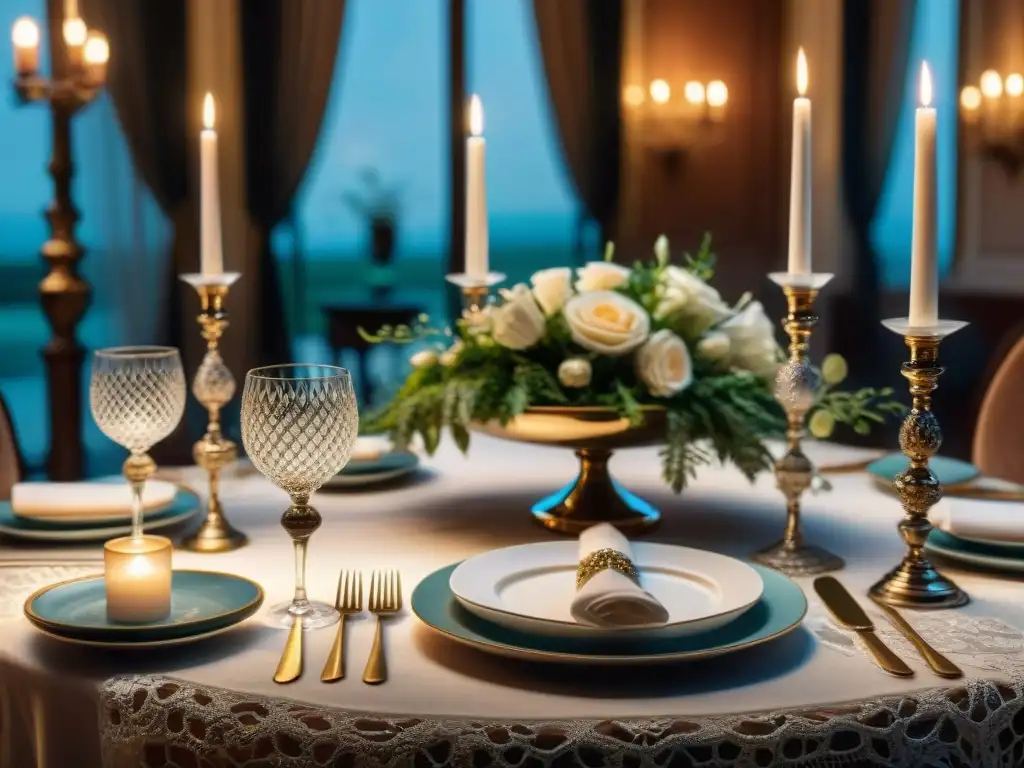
475, 290
915, 583
213, 387
795, 387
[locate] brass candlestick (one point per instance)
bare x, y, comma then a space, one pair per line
214, 386
475, 291
795, 387
915, 582
77, 75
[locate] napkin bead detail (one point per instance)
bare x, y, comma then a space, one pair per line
603, 559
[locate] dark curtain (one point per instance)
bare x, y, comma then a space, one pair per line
147, 81
581, 46
876, 43
288, 54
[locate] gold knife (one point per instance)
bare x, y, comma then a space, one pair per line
939, 664
848, 613
290, 666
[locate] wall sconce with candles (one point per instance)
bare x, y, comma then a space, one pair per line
670, 126
993, 118
78, 70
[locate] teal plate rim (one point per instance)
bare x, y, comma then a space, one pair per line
961, 471
185, 500
487, 636
144, 632
389, 462
954, 547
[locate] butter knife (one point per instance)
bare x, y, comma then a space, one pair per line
290, 666
849, 614
939, 664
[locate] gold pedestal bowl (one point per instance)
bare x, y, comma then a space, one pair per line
593, 432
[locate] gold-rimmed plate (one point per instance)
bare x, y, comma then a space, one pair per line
779, 611
202, 603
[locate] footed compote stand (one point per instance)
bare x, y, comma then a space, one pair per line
795, 387
213, 387
915, 583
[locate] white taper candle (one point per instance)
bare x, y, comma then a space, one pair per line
800, 176
476, 193
211, 254
924, 265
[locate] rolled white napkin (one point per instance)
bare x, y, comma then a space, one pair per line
610, 599
370, 447
980, 519
66, 501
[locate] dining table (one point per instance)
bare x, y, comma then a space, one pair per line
809, 698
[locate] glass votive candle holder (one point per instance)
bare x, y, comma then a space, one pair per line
137, 575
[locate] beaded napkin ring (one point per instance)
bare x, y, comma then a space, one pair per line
602, 559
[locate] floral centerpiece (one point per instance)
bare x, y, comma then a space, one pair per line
654, 337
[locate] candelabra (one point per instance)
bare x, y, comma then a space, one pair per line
475, 290
795, 388
671, 126
213, 387
993, 117
78, 71
915, 582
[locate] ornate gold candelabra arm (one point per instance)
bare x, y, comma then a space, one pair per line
915, 582
213, 387
795, 388
475, 291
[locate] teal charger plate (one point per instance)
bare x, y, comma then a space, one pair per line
202, 603
390, 466
779, 611
949, 471
1001, 557
184, 505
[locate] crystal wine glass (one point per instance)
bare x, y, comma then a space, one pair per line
299, 423
137, 395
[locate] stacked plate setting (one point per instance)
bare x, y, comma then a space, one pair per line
515, 602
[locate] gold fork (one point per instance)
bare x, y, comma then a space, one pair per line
385, 600
349, 601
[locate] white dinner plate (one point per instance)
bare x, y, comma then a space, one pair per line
530, 587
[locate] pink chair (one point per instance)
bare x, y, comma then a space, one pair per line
11, 465
998, 449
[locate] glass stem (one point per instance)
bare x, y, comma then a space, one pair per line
137, 487
300, 598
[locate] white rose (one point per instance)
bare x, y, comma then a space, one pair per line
423, 358
664, 364
450, 355
714, 346
752, 341
518, 323
575, 372
606, 322
552, 288
601, 276
685, 294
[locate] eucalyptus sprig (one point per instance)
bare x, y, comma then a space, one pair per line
402, 334
857, 409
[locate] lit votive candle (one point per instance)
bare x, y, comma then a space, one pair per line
137, 573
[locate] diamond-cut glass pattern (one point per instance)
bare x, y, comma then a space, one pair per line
137, 394
299, 423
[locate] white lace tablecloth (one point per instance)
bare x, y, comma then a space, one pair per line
811, 698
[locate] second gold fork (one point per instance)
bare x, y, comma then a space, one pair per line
349, 601
385, 600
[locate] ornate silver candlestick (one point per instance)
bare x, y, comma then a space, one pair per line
795, 387
915, 582
213, 386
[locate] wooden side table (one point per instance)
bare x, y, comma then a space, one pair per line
344, 322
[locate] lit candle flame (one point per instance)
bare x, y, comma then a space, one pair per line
926, 85
970, 98
660, 91
208, 112
75, 31
801, 72
97, 49
991, 84
476, 115
25, 33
